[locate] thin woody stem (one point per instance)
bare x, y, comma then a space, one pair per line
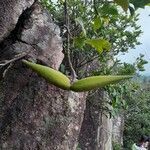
17, 57
73, 73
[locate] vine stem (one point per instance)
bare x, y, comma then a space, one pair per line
17, 57
67, 22
9, 63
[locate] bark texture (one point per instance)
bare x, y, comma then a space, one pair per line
33, 114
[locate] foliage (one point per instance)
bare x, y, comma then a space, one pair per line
140, 4
119, 92
117, 95
99, 44
140, 62
137, 118
123, 3
99, 20
116, 146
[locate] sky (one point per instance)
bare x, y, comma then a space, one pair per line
144, 48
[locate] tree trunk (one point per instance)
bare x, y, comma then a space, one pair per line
34, 114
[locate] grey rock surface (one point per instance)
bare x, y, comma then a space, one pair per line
34, 114
10, 11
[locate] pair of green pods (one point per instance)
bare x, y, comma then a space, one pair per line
62, 81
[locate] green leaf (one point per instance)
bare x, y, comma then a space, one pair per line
99, 44
148, 4
123, 3
50, 75
79, 42
114, 102
106, 21
94, 82
108, 9
97, 23
80, 22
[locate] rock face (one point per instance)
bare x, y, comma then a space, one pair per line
118, 128
33, 114
96, 130
99, 131
10, 11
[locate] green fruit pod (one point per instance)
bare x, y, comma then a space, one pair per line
52, 76
94, 82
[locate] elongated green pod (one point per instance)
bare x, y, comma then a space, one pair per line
52, 76
94, 82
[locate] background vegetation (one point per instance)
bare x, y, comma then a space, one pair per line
137, 116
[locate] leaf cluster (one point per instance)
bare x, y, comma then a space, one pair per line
137, 117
